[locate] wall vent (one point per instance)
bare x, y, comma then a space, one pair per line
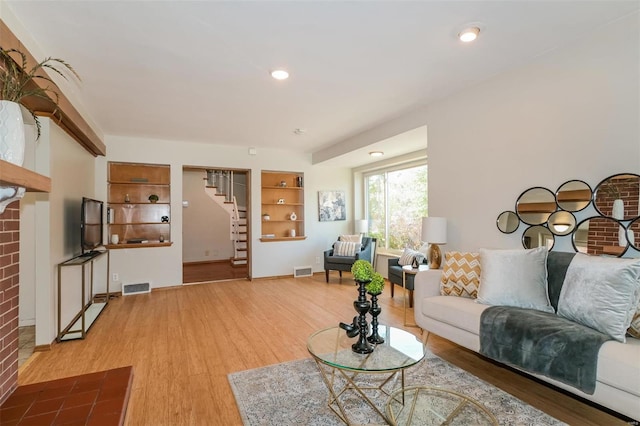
302, 271
129, 289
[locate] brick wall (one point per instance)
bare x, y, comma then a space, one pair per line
9, 267
603, 232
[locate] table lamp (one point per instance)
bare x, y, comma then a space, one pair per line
434, 232
362, 226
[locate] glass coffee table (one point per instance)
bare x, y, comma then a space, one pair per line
354, 378
425, 405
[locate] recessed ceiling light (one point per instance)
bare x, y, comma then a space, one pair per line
469, 34
299, 131
376, 153
280, 74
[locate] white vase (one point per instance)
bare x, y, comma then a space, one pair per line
618, 209
11, 147
617, 212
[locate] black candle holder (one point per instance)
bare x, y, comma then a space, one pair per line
375, 310
359, 327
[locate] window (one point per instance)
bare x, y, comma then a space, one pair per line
395, 202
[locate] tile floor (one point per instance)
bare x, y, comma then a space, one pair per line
95, 399
26, 343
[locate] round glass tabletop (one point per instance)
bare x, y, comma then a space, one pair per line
400, 350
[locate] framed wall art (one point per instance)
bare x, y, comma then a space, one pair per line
331, 206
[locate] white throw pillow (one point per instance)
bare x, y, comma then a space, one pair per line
601, 293
351, 238
408, 256
514, 278
345, 248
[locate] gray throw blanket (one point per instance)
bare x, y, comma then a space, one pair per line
543, 343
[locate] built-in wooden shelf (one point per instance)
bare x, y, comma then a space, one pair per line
283, 239
537, 207
613, 250
12, 175
575, 195
139, 245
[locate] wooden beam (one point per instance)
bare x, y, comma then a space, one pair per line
66, 116
12, 175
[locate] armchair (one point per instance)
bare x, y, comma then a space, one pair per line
344, 263
395, 277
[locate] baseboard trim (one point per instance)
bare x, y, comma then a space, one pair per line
42, 348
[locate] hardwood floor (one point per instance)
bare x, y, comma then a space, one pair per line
182, 343
198, 272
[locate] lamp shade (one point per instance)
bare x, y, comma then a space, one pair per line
362, 226
434, 230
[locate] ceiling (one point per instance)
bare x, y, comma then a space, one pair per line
199, 70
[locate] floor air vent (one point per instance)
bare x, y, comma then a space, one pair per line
302, 271
129, 289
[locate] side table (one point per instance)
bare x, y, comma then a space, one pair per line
408, 269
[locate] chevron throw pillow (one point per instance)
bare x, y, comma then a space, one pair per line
460, 274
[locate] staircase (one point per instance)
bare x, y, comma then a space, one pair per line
219, 187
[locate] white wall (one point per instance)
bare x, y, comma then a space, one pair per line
206, 226
52, 232
163, 266
572, 114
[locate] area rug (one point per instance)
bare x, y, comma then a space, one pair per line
293, 393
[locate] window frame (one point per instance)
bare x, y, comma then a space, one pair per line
385, 170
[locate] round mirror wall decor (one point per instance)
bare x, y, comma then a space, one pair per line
538, 236
535, 205
574, 195
633, 234
600, 236
561, 223
617, 196
508, 222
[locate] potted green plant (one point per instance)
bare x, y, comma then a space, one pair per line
376, 285
153, 198
18, 80
362, 270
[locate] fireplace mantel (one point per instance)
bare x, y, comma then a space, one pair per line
12, 175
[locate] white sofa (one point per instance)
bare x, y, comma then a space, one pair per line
458, 319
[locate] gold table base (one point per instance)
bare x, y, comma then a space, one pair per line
340, 381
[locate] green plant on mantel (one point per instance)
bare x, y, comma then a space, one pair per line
18, 82
376, 285
362, 270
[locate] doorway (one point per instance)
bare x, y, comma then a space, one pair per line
216, 226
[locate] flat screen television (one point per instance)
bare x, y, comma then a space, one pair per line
91, 224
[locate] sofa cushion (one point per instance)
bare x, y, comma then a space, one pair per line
601, 293
408, 256
557, 265
460, 274
514, 278
618, 365
458, 312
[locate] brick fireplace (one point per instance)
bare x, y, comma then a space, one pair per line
9, 268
